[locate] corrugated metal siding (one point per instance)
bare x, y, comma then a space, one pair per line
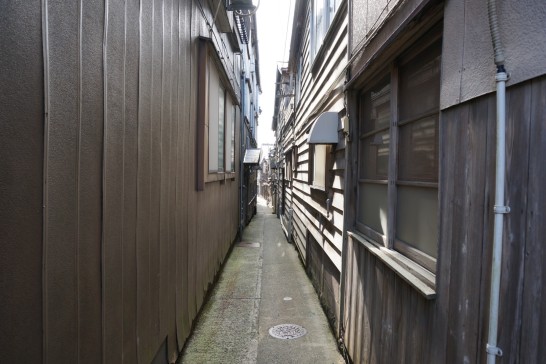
126, 252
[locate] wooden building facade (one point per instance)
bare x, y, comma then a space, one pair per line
120, 137
421, 185
311, 178
404, 225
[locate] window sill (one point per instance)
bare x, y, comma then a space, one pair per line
214, 177
415, 275
317, 187
220, 176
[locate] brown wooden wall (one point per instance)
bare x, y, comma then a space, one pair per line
126, 251
388, 321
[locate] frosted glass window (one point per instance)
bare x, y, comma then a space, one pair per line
418, 150
213, 107
417, 222
373, 206
319, 165
400, 119
233, 126
374, 157
221, 128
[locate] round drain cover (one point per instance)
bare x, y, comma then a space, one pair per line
287, 331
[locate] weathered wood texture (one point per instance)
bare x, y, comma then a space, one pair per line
128, 247
385, 318
388, 321
321, 90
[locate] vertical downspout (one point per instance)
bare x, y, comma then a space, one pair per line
347, 173
346, 187
241, 154
499, 209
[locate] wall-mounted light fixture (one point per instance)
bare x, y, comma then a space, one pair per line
324, 129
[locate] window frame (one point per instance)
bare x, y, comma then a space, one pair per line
388, 240
327, 20
206, 90
288, 166
314, 165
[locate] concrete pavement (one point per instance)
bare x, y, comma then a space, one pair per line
263, 284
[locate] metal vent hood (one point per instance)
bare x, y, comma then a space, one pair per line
324, 130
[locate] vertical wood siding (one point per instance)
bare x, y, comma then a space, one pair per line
386, 320
98, 133
21, 172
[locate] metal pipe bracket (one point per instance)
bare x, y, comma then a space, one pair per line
493, 350
501, 209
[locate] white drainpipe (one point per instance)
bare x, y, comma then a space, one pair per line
500, 209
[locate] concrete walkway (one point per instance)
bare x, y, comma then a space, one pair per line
263, 284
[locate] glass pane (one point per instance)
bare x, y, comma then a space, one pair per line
319, 23
374, 158
213, 100
376, 106
418, 150
221, 131
333, 5
372, 206
420, 84
319, 165
416, 220
234, 125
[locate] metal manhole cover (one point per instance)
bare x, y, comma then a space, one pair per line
287, 331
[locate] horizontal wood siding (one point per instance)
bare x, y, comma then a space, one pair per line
322, 80
386, 320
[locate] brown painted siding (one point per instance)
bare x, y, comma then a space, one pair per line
21, 161
386, 320
98, 133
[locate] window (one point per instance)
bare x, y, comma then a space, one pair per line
398, 157
288, 166
294, 161
232, 148
222, 124
216, 119
319, 154
323, 12
298, 81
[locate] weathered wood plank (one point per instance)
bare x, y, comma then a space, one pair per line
533, 320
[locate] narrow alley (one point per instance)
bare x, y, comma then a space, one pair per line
400, 145
263, 284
